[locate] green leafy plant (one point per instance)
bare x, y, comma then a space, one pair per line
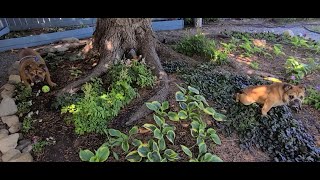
295, 68
196, 45
193, 107
100, 155
75, 72
24, 107
23, 96
26, 124
277, 50
156, 149
254, 65
38, 146
203, 155
66, 99
141, 75
229, 47
313, 97
297, 41
249, 47
93, 112
23, 93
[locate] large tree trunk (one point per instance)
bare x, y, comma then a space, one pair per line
113, 37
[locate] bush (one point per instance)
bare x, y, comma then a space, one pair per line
196, 45
92, 112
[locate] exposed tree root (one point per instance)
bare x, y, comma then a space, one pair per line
168, 53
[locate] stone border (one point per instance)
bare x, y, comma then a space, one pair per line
13, 147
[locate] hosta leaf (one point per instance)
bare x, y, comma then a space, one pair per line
150, 127
155, 147
195, 125
171, 155
157, 134
208, 157
154, 156
153, 106
165, 105
180, 96
159, 121
125, 146
171, 135
181, 89
183, 105
162, 144
114, 132
85, 155
202, 148
186, 151
211, 131
103, 153
182, 114
136, 142
166, 129
143, 150
201, 98
133, 157
215, 138
192, 105
210, 111
133, 130
219, 117
115, 155
194, 90
194, 132
173, 116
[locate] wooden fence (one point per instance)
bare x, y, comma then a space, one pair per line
16, 24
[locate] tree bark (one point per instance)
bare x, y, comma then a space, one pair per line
115, 36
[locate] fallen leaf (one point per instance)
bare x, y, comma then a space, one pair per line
143, 130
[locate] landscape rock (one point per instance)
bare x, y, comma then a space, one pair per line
10, 120
288, 33
14, 79
7, 107
23, 157
20, 136
27, 149
15, 128
8, 87
6, 93
10, 154
23, 144
62, 49
70, 40
3, 133
7, 90
9, 142
49, 50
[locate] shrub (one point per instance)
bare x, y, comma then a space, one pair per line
93, 111
197, 45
